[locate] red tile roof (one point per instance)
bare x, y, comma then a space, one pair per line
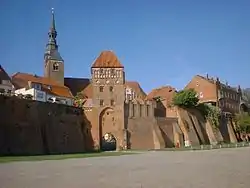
165, 92
107, 59
137, 88
21, 80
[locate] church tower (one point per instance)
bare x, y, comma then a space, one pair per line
54, 64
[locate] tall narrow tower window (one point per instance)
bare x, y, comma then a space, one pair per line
112, 72
101, 102
101, 88
112, 102
55, 67
111, 88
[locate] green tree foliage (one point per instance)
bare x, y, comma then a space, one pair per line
246, 95
211, 114
78, 100
243, 122
80, 95
186, 98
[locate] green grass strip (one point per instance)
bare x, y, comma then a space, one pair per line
7, 159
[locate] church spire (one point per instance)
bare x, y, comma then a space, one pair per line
54, 64
52, 47
53, 24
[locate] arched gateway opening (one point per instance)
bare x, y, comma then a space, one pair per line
107, 128
108, 142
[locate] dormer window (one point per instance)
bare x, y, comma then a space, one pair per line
55, 67
36, 86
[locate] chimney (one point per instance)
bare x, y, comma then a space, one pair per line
29, 84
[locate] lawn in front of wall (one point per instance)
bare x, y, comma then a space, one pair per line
7, 159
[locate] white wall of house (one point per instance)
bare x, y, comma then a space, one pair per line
42, 96
60, 100
36, 94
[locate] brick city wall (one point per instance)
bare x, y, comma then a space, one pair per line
30, 127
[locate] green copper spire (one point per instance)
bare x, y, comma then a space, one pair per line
53, 24
52, 47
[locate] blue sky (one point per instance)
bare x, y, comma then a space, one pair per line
160, 42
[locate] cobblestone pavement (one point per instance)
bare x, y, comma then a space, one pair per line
225, 168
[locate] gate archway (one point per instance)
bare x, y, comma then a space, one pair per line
107, 128
108, 142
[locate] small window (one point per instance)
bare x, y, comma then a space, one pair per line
129, 96
112, 102
101, 88
133, 110
55, 67
141, 110
112, 72
101, 102
147, 110
111, 88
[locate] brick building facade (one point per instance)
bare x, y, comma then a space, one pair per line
213, 91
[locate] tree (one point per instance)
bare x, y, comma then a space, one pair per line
243, 122
211, 113
80, 95
78, 100
246, 95
186, 98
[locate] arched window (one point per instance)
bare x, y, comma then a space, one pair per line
55, 67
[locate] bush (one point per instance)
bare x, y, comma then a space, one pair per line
211, 113
186, 98
78, 100
243, 122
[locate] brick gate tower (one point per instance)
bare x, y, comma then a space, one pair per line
108, 79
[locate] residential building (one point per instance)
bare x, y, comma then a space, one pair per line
163, 96
6, 85
42, 89
213, 91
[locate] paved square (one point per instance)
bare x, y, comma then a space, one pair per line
226, 168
